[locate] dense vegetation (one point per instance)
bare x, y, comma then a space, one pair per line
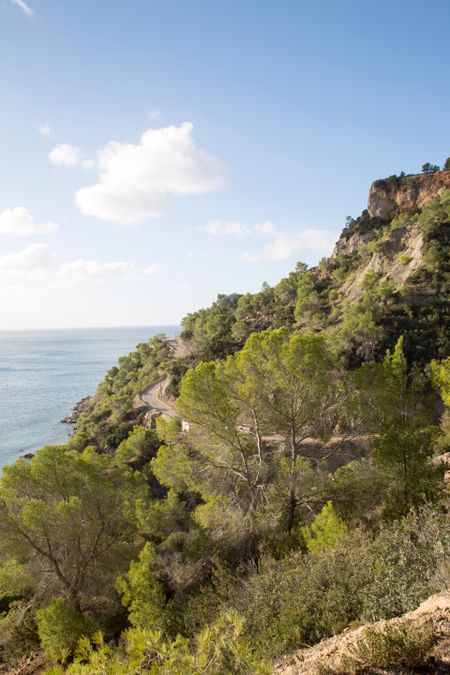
305, 496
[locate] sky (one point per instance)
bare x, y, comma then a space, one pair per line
155, 153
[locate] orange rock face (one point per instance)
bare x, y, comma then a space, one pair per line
392, 195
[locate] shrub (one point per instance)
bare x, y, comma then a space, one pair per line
301, 599
218, 650
325, 529
369, 280
404, 258
406, 646
142, 593
60, 628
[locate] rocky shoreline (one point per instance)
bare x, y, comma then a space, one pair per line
84, 405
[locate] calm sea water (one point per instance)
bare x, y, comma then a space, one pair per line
44, 373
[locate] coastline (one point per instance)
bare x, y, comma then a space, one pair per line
46, 374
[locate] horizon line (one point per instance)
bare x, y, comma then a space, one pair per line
160, 325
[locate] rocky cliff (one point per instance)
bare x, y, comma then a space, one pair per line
393, 263
390, 196
389, 235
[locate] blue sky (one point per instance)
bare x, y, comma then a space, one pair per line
264, 122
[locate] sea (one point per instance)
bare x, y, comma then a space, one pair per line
43, 374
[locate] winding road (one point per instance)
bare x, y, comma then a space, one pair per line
154, 395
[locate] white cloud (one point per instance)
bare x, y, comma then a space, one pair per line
88, 163
31, 258
84, 270
237, 229
283, 244
154, 268
19, 222
153, 115
24, 8
136, 180
45, 129
286, 244
65, 155
69, 156
40, 262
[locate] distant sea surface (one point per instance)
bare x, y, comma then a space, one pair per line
44, 373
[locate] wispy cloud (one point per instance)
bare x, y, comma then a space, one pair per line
40, 263
235, 228
24, 8
45, 129
19, 222
153, 115
153, 268
283, 242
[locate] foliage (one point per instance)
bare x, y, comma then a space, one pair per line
440, 371
404, 446
219, 649
113, 416
300, 598
360, 333
138, 448
252, 533
404, 645
141, 592
325, 529
404, 259
60, 627
274, 385
430, 168
210, 329
67, 519
309, 306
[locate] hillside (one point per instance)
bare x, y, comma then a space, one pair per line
388, 275
270, 480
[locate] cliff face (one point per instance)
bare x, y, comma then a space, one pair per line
393, 262
396, 248
391, 196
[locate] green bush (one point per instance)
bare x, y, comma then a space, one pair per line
219, 649
301, 599
325, 530
404, 259
405, 646
60, 628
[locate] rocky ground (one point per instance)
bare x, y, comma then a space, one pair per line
85, 405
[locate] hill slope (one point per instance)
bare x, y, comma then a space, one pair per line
388, 275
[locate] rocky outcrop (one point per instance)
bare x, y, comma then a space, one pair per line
390, 196
378, 246
401, 255
84, 406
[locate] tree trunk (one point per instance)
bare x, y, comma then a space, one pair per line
291, 511
292, 503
